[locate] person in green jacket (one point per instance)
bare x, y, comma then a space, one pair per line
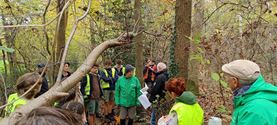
186, 110
127, 91
255, 100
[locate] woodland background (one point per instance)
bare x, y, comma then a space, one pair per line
194, 37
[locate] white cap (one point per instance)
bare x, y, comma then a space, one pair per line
242, 69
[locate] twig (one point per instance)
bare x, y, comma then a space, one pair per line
33, 25
69, 41
152, 34
41, 25
210, 15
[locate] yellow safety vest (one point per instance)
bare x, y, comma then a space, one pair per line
123, 70
188, 114
104, 84
87, 89
15, 103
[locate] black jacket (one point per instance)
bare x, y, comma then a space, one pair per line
44, 86
64, 77
159, 86
119, 72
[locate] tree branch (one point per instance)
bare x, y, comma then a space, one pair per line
33, 25
44, 28
52, 95
210, 15
41, 25
68, 42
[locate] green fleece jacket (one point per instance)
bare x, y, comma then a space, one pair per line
257, 106
127, 91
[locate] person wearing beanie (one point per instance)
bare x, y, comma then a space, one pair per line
255, 100
129, 68
127, 91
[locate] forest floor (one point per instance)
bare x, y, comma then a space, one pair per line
215, 100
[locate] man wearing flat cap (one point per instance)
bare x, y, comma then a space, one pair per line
255, 100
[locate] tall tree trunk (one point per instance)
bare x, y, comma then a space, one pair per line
139, 42
4, 62
183, 32
10, 34
197, 28
60, 38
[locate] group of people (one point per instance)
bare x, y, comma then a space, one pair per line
255, 101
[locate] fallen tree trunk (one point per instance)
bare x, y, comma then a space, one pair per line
59, 90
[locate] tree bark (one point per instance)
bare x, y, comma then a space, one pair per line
58, 90
183, 32
197, 27
10, 34
4, 62
139, 43
60, 37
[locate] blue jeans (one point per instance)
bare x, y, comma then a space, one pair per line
153, 117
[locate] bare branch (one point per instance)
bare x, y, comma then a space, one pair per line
44, 28
33, 25
51, 95
41, 25
210, 15
68, 43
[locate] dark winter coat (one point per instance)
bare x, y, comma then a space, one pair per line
44, 86
159, 86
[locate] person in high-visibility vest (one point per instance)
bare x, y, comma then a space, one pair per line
120, 69
108, 79
186, 110
24, 83
91, 91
